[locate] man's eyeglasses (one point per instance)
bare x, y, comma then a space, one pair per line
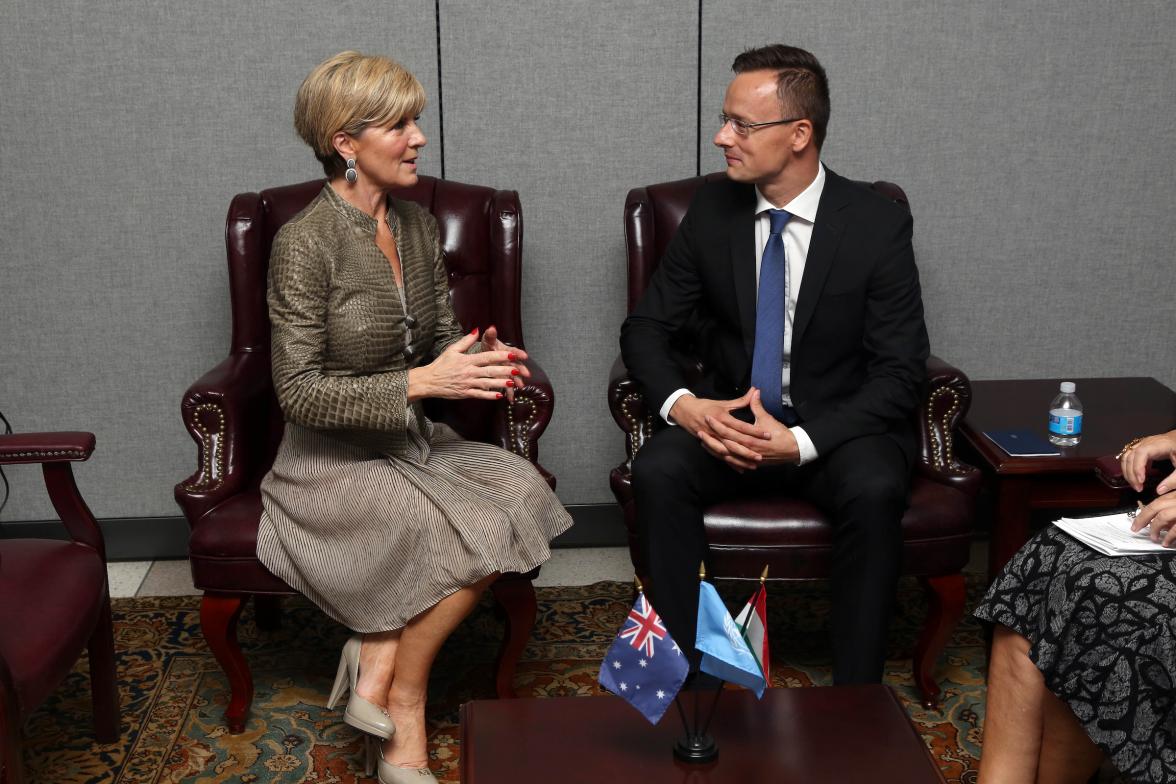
745, 128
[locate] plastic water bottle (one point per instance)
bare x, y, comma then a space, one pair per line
1065, 417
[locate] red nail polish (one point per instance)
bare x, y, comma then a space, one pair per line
510, 383
474, 331
510, 357
514, 371
498, 396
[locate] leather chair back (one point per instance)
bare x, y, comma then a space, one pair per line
481, 239
653, 214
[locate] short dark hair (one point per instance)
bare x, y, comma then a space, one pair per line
801, 84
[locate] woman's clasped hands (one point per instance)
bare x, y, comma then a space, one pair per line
490, 374
1159, 517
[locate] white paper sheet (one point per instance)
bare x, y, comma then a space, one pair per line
1110, 535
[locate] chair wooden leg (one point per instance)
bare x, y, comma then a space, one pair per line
218, 620
268, 612
945, 607
104, 678
516, 596
11, 770
11, 761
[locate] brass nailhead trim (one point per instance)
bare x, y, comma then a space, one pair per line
942, 440
49, 453
521, 427
212, 466
636, 434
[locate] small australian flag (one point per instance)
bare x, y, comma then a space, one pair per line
644, 665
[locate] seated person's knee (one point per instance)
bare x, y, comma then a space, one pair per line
660, 462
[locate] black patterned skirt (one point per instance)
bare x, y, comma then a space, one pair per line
1103, 633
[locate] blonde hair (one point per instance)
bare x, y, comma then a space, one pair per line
348, 92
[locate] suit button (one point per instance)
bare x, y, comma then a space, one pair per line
410, 322
408, 351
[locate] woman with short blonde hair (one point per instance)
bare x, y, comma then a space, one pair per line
347, 93
390, 523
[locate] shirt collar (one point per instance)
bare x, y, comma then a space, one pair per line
804, 206
355, 216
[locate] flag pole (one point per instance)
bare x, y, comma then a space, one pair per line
714, 704
695, 748
682, 715
693, 732
754, 598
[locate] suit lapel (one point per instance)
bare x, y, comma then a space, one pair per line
827, 231
743, 265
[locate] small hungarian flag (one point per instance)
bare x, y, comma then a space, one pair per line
756, 633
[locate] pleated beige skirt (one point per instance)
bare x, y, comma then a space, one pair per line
376, 540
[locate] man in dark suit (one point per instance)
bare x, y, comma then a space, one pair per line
798, 290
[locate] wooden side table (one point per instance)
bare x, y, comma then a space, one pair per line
832, 733
1115, 410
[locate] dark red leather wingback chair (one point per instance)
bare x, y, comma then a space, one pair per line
233, 415
54, 601
791, 536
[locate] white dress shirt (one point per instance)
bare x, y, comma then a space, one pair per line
798, 234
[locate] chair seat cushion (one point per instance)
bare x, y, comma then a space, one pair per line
223, 549
795, 539
51, 594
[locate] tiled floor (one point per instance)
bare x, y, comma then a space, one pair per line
126, 577
580, 566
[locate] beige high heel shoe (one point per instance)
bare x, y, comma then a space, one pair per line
373, 761
359, 713
391, 774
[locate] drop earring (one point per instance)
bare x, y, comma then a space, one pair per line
351, 175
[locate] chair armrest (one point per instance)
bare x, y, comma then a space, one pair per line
1110, 471
55, 452
627, 404
519, 424
224, 412
949, 394
45, 447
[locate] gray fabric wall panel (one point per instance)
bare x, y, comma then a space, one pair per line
1033, 139
126, 129
572, 105
1029, 137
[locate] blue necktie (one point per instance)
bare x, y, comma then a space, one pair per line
771, 310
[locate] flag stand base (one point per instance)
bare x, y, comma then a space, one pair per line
696, 749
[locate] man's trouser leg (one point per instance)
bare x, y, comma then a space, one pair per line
674, 480
863, 486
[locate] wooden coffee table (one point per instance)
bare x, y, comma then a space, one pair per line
828, 734
1114, 410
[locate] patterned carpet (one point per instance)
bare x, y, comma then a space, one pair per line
173, 693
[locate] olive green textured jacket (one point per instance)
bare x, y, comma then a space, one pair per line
342, 345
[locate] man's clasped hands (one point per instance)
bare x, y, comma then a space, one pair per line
745, 446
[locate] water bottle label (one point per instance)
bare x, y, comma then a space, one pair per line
1065, 424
